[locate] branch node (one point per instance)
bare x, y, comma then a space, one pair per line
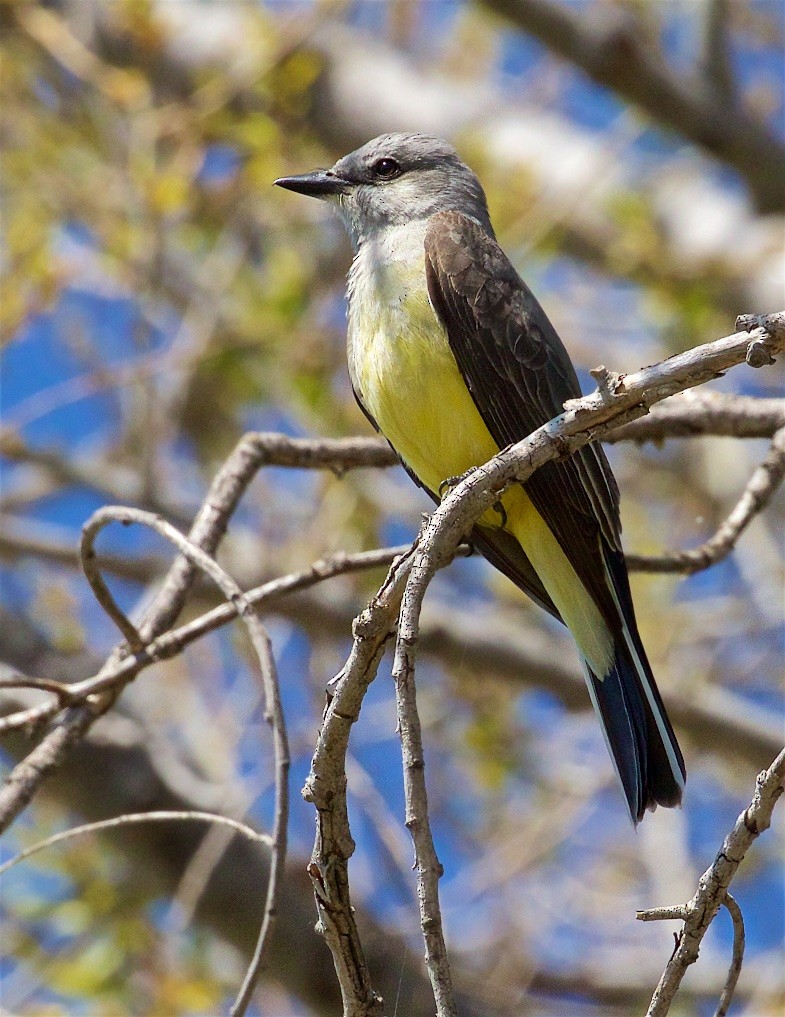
609, 383
758, 354
749, 322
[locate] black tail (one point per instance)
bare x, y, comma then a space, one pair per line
636, 727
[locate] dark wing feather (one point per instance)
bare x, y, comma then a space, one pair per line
520, 376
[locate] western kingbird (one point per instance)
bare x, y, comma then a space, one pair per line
452, 358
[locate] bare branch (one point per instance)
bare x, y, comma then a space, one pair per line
137, 817
761, 486
613, 48
428, 867
698, 913
738, 955
30, 718
171, 643
716, 718
619, 400
92, 572
326, 789
20, 681
252, 452
273, 712
134, 780
697, 412
22, 537
207, 532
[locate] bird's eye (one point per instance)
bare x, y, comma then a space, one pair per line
386, 168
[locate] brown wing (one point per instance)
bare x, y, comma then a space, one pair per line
520, 375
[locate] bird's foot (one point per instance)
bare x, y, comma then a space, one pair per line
498, 507
447, 485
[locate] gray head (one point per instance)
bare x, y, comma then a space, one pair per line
394, 180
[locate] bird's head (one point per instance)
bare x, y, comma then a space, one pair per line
394, 180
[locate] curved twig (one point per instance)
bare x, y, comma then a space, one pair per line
252, 452
21, 681
130, 818
738, 955
698, 913
94, 577
171, 643
274, 710
761, 486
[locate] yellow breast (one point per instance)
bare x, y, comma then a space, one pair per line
406, 376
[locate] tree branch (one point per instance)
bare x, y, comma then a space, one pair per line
761, 486
134, 779
613, 48
252, 452
167, 816
426, 862
273, 707
326, 789
698, 913
738, 955
619, 399
697, 413
171, 643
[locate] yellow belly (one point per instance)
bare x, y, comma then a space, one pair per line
408, 380
411, 385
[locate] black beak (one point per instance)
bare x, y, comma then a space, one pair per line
318, 184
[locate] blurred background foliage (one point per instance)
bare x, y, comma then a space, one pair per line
159, 297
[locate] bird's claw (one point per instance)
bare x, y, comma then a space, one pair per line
447, 485
499, 507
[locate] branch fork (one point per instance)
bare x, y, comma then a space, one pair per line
712, 893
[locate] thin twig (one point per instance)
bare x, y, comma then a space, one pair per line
252, 452
698, 913
173, 642
326, 789
93, 574
717, 719
619, 401
21, 681
55, 544
738, 955
429, 868
761, 486
31, 717
133, 818
273, 711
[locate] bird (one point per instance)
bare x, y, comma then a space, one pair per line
453, 359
